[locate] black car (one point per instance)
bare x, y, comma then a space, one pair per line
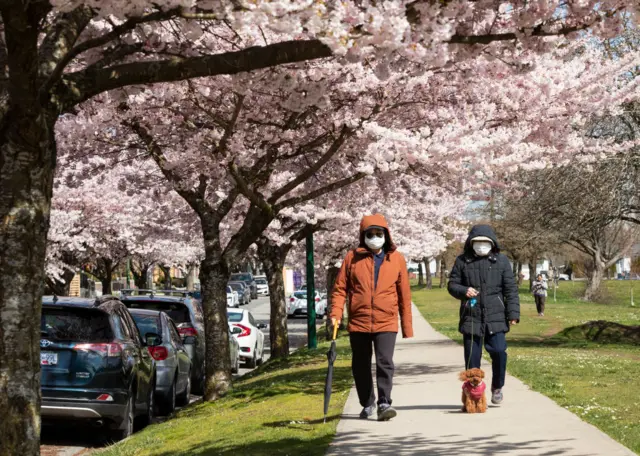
247, 278
186, 313
95, 366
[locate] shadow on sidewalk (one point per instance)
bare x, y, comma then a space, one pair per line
452, 445
414, 369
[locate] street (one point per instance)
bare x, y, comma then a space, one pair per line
58, 440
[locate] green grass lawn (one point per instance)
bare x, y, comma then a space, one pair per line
275, 410
595, 380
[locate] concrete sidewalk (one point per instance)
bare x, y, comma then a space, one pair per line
426, 394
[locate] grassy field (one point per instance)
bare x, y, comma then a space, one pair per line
275, 410
595, 380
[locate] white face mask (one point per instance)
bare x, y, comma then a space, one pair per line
482, 248
375, 243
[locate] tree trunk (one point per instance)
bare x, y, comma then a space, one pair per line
532, 272
166, 272
332, 275
443, 273
519, 276
273, 258
27, 160
420, 276
438, 266
515, 268
214, 275
61, 288
595, 280
427, 269
106, 267
191, 277
140, 272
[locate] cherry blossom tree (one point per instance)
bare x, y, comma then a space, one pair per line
57, 55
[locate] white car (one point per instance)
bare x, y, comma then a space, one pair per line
263, 286
297, 304
249, 335
232, 298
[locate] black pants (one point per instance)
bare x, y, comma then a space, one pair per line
496, 345
540, 301
384, 344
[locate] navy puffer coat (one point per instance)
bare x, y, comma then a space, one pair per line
498, 302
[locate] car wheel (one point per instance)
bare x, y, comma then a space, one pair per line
236, 365
168, 404
251, 364
261, 359
151, 405
183, 398
126, 428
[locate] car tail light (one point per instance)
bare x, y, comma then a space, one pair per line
158, 353
188, 331
105, 398
245, 331
317, 299
292, 299
108, 350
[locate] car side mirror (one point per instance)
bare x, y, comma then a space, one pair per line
236, 330
152, 339
262, 326
190, 340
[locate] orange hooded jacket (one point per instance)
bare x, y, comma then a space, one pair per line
374, 310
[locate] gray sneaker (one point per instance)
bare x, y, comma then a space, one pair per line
386, 412
496, 396
367, 412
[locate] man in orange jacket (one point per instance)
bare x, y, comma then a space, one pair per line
375, 280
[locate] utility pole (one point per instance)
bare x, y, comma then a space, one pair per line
312, 340
128, 272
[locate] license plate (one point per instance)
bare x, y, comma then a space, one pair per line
48, 359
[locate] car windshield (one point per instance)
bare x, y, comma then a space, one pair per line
229, 290
147, 323
237, 286
178, 312
78, 325
261, 281
300, 295
242, 277
234, 317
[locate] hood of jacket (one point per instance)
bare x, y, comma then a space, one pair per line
481, 231
376, 220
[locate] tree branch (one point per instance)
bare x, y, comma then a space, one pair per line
244, 188
310, 171
85, 84
320, 191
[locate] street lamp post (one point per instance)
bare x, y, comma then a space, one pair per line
312, 340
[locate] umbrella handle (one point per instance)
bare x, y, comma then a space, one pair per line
335, 331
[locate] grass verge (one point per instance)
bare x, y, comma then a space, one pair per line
275, 410
594, 380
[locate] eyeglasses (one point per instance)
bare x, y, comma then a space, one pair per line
372, 234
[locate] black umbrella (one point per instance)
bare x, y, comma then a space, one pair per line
331, 357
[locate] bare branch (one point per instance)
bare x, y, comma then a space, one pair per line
320, 191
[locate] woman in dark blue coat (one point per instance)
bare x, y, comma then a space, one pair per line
482, 279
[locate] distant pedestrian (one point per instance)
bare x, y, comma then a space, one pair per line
375, 279
539, 289
482, 278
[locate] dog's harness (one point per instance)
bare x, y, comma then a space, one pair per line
474, 392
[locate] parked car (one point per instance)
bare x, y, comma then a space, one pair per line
233, 299
263, 286
186, 313
297, 304
173, 365
563, 276
95, 365
243, 292
248, 334
247, 278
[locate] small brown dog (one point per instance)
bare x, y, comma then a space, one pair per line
473, 400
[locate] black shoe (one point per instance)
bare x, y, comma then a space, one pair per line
367, 412
386, 412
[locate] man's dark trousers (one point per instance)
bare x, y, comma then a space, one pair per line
361, 347
496, 345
